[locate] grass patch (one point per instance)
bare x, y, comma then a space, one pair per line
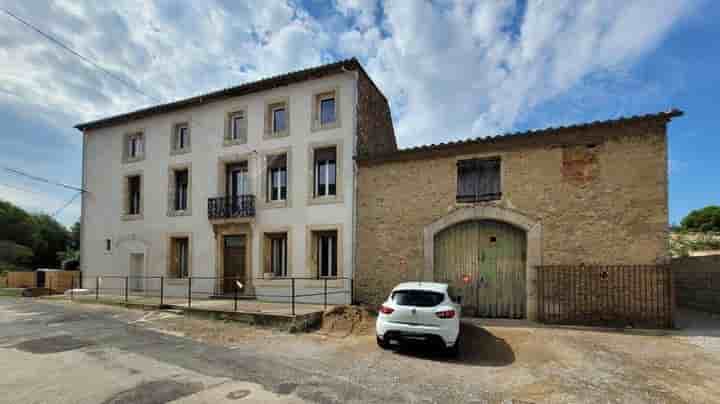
10, 292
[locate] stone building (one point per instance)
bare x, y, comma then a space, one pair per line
481, 214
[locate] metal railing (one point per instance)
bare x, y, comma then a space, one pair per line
225, 207
180, 292
613, 295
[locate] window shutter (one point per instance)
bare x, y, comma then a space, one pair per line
278, 161
327, 153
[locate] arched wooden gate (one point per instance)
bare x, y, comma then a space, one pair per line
484, 261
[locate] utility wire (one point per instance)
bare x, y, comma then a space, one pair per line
86, 59
41, 179
57, 212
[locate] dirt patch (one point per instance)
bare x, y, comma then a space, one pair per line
158, 391
60, 343
343, 321
215, 332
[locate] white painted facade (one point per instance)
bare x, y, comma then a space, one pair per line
142, 244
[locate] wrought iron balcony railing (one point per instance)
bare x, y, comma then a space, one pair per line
231, 207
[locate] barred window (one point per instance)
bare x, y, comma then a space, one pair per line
478, 180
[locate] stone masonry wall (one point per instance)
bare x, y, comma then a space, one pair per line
600, 201
697, 282
374, 127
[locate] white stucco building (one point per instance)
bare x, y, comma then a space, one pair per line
255, 182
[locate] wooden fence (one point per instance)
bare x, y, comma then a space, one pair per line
607, 295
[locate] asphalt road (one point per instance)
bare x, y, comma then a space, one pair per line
64, 352
69, 354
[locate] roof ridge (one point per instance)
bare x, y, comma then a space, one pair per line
279, 80
672, 113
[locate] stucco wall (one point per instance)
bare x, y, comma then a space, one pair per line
603, 200
104, 173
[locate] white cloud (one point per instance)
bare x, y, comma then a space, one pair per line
450, 68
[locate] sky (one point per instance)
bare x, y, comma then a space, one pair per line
450, 69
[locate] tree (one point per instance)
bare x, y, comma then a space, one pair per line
50, 238
703, 220
15, 224
40, 233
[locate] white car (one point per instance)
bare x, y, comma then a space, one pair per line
422, 311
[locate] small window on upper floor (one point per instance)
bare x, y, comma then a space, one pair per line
325, 113
478, 180
236, 128
181, 138
108, 245
277, 119
134, 149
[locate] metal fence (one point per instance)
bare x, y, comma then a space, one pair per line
199, 291
608, 295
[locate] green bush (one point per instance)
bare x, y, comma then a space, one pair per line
703, 220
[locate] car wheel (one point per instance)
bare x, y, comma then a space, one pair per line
382, 343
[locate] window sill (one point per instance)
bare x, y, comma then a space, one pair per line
325, 200
275, 204
128, 217
177, 152
233, 142
318, 127
469, 199
176, 213
129, 160
276, 135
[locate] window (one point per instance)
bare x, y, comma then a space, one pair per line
278, 254
478, 180
181, 138
181, 189
134, 196
418, 298
237, 127
279, 120
108, 245
180, 267
277, 178
327, 110
326, 242
324, 110
325, 172
134, 146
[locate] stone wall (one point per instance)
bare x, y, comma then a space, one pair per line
599, 193
697, 282
375, 131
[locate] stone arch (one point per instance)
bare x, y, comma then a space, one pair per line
531, 226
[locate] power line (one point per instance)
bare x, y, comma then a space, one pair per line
57, 212
86, 59
41, 179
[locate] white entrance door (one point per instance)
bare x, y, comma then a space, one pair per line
136, 281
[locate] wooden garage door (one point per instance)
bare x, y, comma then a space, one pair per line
484, 261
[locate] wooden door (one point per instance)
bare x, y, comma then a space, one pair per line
484, 261
234, 250
137, 272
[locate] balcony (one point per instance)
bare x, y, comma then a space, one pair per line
240, 206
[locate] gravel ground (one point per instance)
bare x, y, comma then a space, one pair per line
500, 361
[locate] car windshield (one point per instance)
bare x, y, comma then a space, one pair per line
419, 298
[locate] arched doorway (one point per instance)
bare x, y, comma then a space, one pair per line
518, 220
485, 262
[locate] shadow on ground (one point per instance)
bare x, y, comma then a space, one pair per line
478, 347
